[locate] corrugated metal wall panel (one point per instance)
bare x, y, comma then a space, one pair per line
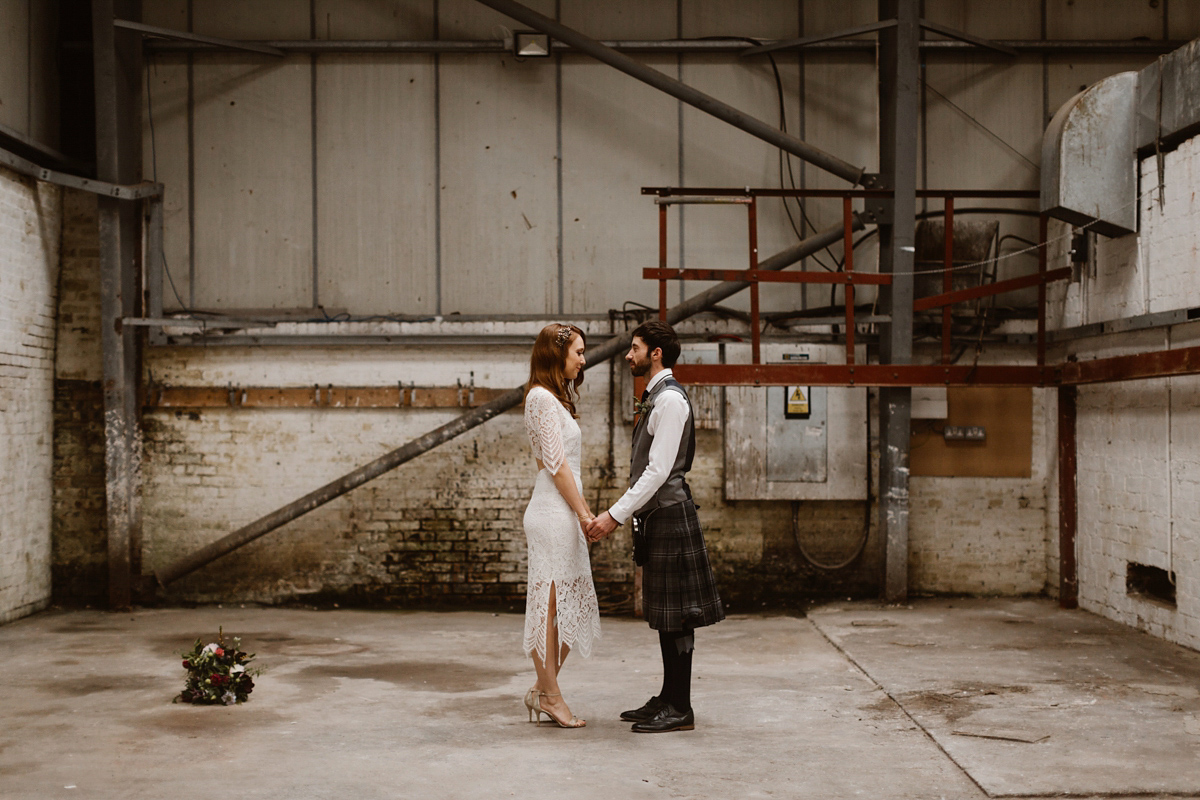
992, 19
253, 182
1105, 19
499, 192
840, 103
991, 108
499, 186
377, 235
375, 137
376, 149
166, 13
374, 19
43, 73
716, 154
618, 135
256, 20
1183, 21
14, 64
167, 90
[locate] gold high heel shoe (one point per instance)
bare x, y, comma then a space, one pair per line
531, 702
573, 722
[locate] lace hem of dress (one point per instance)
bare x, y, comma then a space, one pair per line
577, 614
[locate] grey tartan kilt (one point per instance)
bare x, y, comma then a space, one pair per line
679, 591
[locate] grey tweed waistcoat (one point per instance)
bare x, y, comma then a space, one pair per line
675, 489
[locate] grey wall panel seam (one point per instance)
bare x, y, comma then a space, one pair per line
437, 164
191, 166
316, 281
312, 112
558, 112
801, 63
558, 134
679, 139
29, 70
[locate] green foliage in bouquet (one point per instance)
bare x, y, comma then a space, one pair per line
217, 673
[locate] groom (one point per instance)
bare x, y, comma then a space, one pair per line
678, 587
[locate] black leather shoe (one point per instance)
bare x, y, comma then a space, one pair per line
667, 719
652, 707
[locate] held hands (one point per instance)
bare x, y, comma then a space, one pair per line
600, 527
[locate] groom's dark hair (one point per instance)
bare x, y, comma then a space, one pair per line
658, 334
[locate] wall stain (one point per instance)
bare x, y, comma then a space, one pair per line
432, 676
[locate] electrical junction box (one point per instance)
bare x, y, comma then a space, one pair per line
795, 442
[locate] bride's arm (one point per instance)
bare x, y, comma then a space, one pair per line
544, 423
564, 479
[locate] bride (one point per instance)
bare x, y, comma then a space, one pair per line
560, 608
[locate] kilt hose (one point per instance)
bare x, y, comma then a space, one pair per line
679, 591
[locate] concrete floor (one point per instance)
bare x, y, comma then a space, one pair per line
943, 699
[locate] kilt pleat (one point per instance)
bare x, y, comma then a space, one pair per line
679, 590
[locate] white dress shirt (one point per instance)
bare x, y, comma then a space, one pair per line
667, 419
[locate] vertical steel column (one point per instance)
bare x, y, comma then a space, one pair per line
662, 260
1068, 509
152, 282
848, 268
118, 76
1043, 226
899, 105
755, 339
948, 281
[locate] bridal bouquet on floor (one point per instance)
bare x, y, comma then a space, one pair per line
218, 673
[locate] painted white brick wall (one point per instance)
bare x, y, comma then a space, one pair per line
30, 219
983, 536
1138, 443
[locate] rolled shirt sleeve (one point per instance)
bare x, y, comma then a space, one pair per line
667, 420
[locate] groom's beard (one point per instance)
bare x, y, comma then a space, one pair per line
639, 368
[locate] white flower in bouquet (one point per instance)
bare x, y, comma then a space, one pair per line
210, 648
236, 668
229, 698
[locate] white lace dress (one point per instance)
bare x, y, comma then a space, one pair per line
558, 551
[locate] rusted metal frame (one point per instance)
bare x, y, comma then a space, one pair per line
858, 278
848, 268
662, 261
331, 397
681, 91
755, 332
1043, 228
184, 36
423, 444
883, 375
999, 287
118, 80
1142, 366
1068, 502
947, 279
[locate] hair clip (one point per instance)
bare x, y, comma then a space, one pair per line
564, 336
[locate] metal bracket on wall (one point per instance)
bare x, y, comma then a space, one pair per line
23, 166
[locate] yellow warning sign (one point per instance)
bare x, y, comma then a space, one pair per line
797, 400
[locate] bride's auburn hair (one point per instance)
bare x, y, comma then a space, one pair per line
548, 362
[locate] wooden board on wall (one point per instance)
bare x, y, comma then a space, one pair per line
1007, 414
